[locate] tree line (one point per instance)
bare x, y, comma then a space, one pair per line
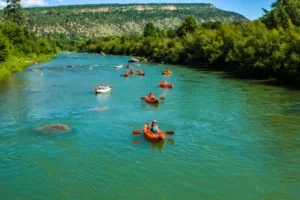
264, 48
267, 47
18, 44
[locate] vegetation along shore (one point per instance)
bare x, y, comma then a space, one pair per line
261, 49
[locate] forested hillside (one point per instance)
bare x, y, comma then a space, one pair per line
268, 47
81, 21
20, 47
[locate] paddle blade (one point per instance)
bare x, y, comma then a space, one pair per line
136, 132
143, 98
169, 132
162, 98
111, 86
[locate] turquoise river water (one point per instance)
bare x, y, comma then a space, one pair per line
234, 139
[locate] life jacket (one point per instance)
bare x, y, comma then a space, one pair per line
154, 129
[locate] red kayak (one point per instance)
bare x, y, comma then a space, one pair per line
153, 137
167, 73
165, 85
152, 99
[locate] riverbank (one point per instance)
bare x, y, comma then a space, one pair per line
282, 80
15, 64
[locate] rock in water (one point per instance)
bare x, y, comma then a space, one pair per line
134, 60
53, 128
98, 109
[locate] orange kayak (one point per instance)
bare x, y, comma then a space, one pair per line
151, 100
150, 136
164, 85
141, 74
167, 73
125, 75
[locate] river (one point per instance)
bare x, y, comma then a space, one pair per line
234, 139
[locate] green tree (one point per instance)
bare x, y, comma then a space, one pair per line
3, 48
150, 29
282, 11
189, 25
13, 12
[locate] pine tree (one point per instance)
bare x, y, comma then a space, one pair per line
13, 12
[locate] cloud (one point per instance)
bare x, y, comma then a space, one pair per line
60, 0
2, 4
28, 3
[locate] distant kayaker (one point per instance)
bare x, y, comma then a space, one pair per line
151, 95
131, 71
164, 82
101, 86
153, 128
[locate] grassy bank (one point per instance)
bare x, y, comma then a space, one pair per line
15, 64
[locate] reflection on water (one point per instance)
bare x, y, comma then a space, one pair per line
99, 109
104, 97
160, 144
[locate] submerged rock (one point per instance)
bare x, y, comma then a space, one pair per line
98, 109
53, 128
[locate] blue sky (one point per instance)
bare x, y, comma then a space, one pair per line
249, 8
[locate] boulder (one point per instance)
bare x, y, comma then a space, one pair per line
53, 128
134, 60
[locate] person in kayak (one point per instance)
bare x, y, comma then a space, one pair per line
151, 95
167, 70
131, 71
101, 86
153, 128
164, 82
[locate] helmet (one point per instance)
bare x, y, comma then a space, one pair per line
154, 121
101, 84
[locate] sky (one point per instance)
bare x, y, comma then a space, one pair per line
251, 9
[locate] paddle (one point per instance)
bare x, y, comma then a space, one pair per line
161, 98
135, 132
111, 86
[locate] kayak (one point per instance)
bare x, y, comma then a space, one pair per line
141, 74
118, 66
106, 89
167, 73
125, 75
151, 100
150, 136
164, 85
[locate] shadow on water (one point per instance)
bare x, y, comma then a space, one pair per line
267, 82
295, 109
150, 105
154, 144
